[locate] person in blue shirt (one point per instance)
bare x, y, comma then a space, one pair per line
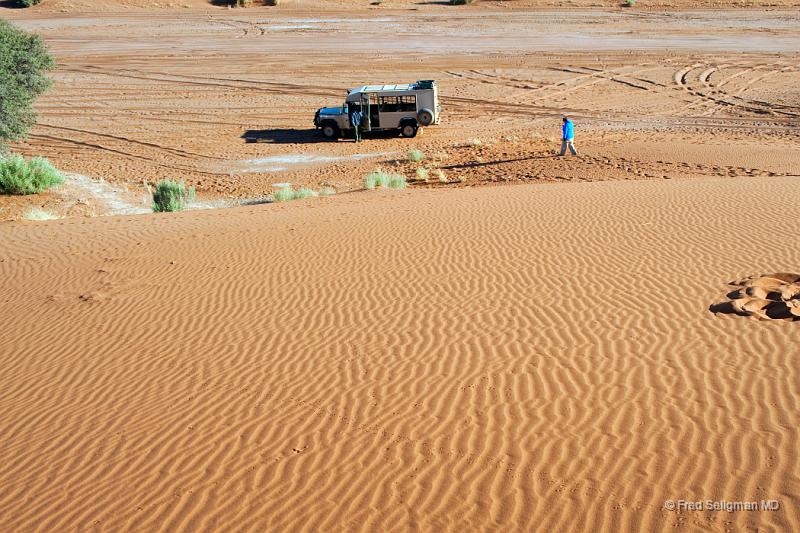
568, 137
355, 121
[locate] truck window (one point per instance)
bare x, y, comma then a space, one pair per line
408, 103
388, 104
398, 104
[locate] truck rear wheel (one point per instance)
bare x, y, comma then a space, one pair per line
408, 129
330, 130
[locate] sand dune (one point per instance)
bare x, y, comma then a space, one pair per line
534, 357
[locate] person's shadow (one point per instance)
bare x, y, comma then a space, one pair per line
498, 162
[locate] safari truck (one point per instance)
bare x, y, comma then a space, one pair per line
404, 108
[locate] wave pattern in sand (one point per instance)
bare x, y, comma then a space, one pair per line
498, 359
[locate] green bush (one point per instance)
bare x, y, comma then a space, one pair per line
415, 156
372, 179
284, 194
379, 178
27, 3
422, 174
23, 63
396, 181
630, 3
36, 175
171, 196
376, 178
304, 192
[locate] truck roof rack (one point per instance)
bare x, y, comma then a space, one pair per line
416, 86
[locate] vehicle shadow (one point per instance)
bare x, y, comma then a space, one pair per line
284, 136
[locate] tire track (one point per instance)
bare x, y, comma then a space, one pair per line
130, 155
167, 149
719, 99
212, 82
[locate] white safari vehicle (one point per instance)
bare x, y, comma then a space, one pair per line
405, 108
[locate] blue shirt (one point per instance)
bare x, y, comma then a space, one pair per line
355, 118
568, 131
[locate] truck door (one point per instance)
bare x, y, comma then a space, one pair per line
373, 111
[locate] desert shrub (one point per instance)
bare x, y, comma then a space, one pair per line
396, 181
379, 178
18, 176
415, 156
272, 2
460, 2
23, 63
374, 179
283, 194
304, 192
171, 196
630, 3
440, 175
475, 143
27, 3
38, 214
422, 174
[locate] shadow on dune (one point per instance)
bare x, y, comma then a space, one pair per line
256, 201
10, 4
726, 308
759, 309
497, 162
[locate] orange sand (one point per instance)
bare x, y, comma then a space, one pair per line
532, 357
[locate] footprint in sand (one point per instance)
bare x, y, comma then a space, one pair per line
768, 297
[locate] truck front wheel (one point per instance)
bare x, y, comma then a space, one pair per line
330, 130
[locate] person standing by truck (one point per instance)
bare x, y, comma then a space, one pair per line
567, 137
355, 121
